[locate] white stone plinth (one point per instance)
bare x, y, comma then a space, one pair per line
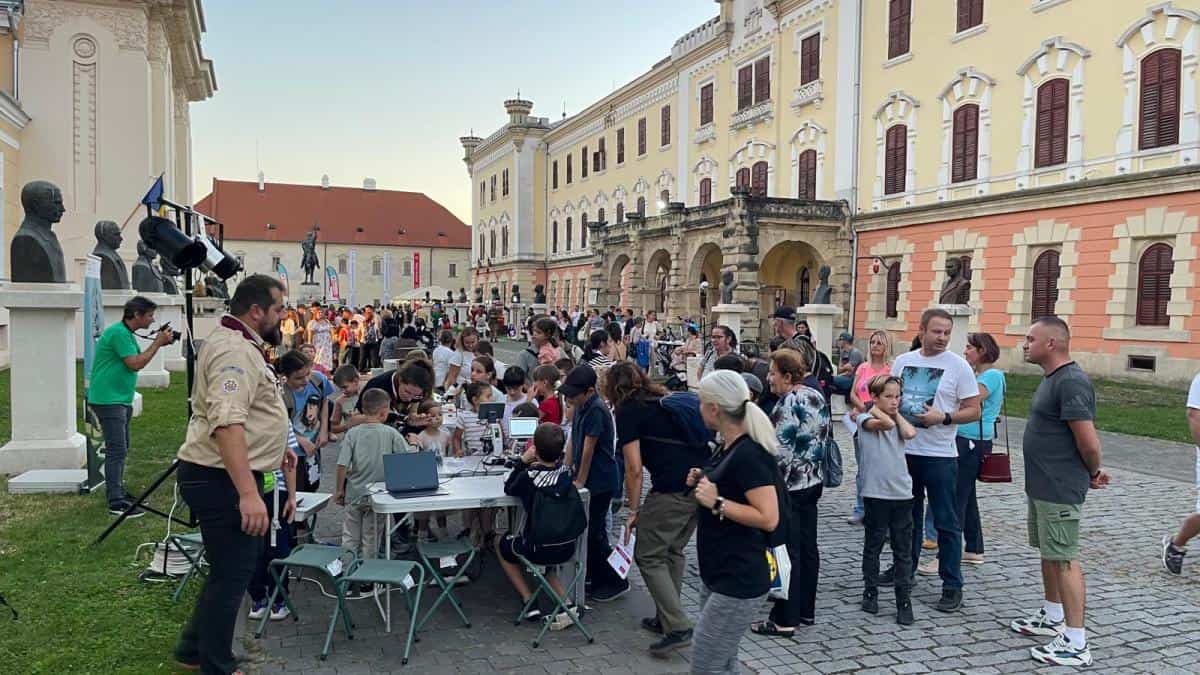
731, 315
306, 294
42, 343
820, 320
171, 312
961, 316
154, 375
693, 371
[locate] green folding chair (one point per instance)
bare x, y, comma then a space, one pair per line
316, 558
387, 572
431, 555
191, 547
561, 604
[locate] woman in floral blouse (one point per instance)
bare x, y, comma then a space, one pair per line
802, 425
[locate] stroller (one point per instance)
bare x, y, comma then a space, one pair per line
676, 371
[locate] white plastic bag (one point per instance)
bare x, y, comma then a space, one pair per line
781, 572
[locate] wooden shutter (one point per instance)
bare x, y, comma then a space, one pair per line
706, 104
806, 166
1053, 106
805, 287
1154, 285
1045, 284
641, 136
603, 156
966, 266
899, 17
705, 191
492, 244
569, 159
762, 79
570, 232
583, 221
964, 162
641, 206
810, 58
620, 212
758, 179
892, 298
503, 241
743, 178
554, 238
583, 162
895, 159
554, 175
621, 146
665, 132
745, 87
600, 217
1159, 115
970, 14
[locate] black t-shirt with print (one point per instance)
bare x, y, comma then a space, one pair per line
732, 556
668, 463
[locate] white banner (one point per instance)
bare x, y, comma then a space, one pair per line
387, 276
353, 278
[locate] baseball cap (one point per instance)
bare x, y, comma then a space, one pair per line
785, 313
580, 379
846, 337
753, 383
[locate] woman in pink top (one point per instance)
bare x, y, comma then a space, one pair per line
879, 362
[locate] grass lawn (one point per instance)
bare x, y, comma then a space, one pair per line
1138, 409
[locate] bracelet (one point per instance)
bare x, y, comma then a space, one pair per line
718, 505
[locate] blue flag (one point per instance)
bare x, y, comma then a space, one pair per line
153, 197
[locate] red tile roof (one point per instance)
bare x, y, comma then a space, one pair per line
341, 211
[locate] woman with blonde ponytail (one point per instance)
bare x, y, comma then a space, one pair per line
738, 506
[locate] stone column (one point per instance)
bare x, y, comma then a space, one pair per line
740, 252
44, 414
961, 316
155, 375
821, 319
733, 315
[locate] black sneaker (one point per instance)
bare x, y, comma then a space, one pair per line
610, 593
676, 639
117, 508
870, 601
652, 624
950, 601
904, 611
1172, 556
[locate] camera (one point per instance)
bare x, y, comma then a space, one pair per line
175, 335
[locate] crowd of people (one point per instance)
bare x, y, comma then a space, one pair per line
739, 464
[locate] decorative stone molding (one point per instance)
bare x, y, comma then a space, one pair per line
810, 135
759, 113
747, 155
705, 168
813, 92
158, 50
1029, 244
128, 26
706, 133
1056, 58
1133, 237
898, 108
968, 87
893, 251
961, 242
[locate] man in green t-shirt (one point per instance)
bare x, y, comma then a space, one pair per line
115, 366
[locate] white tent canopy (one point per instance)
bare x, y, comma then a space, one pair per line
435, 293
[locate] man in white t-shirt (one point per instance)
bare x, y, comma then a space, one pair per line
939, 393
1174, 548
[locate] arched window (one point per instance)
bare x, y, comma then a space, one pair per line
583, 221
1053, 105
1045, 284
1154, 285
805, 287
1159, 116
482, 250
665, 196
600, 217
492, 244
892, 298
504, 241
570, 233
758, 179
620, 212
806, 167
554, 237
964, 163
743, 178
641, 206
895, 159
705, 191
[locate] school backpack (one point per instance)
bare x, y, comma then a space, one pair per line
642, 350
558, 516
687, 428
289, 400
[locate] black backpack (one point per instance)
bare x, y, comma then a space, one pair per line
558, 516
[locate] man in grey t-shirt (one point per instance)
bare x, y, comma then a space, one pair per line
1062, 461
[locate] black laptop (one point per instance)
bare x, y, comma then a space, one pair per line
410, 474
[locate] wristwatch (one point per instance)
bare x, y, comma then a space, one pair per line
947, 420
716, 509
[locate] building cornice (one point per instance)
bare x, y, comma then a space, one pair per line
11, 112
1146, 184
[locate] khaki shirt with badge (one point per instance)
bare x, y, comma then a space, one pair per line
235, 385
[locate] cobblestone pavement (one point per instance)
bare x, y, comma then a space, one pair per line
1140, 619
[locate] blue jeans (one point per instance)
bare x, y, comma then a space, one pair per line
930, 530
114, 422
938, 476
970, 456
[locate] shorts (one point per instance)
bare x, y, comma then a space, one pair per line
511, 546
1198, 479
1054, 529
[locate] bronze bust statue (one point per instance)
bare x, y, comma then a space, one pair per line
215, 288
145, 277
478, 295
113, 274
462, 295
822, 295
957, 288
539, 294
168, 272
36, 254
728, 283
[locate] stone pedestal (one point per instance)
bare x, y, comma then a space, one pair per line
172, 311
306, 294
732, 315
42, 343
820, 320
113, 302
154, 375
961, 315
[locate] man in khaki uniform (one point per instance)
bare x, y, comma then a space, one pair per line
238, 431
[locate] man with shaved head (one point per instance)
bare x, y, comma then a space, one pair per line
1062, 461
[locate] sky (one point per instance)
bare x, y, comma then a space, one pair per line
384, 88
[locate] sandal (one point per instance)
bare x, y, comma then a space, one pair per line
769, 629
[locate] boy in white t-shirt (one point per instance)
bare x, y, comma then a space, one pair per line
1175, 547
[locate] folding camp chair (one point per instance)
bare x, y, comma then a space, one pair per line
320, 559
191, 547
560, 603
388, 572
431, 555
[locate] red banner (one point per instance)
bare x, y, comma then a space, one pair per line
416, 270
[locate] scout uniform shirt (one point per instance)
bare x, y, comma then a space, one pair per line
235, 385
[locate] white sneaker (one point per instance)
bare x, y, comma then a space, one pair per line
279, 612
1060, 653
1038, 624
258, 610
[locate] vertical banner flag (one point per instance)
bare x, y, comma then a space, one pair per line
93, 326
387, 277
331, 276
282, 272
416, 270
351, 292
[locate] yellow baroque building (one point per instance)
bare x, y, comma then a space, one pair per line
1050, 145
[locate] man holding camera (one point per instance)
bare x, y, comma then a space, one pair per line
115, 366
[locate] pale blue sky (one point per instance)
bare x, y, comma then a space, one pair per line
384, 88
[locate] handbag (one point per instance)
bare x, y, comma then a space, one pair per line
995, 467
781, 572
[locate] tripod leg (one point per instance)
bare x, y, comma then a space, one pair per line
138, 502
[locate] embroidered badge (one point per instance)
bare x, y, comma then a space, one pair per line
229, 386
